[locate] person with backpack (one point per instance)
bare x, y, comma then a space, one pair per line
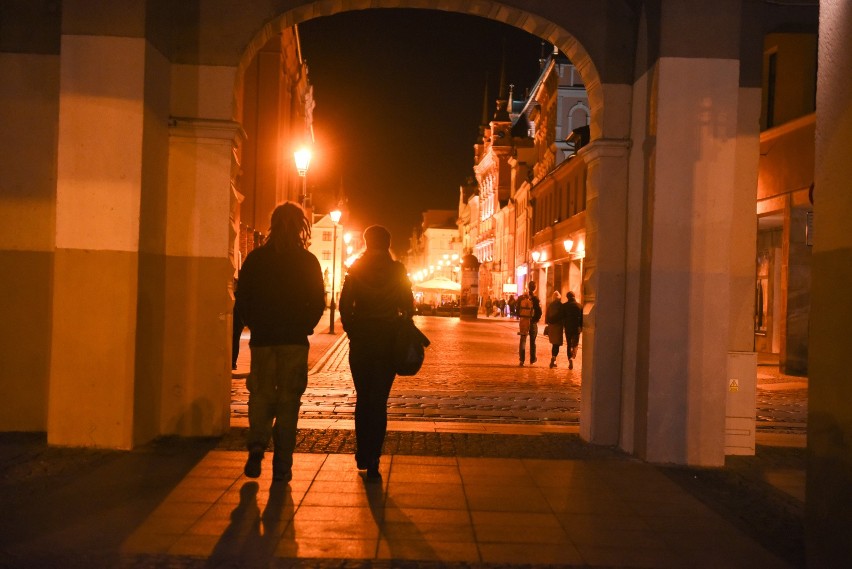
529, 313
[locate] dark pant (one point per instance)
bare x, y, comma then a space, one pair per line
370, 359
573, 341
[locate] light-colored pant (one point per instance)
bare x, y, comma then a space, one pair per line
278, 378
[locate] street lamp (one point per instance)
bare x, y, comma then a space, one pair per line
303, 159
335, 218
536, 255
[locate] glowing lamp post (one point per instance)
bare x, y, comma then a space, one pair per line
335, 218
536, 255
303, 160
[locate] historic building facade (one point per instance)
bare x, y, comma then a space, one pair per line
525, 199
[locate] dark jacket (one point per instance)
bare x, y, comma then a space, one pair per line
376, 292
554, 318
573, 317
281, 295
536, 315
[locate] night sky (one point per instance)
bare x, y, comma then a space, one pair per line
399, 97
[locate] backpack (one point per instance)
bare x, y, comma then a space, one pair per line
525, 307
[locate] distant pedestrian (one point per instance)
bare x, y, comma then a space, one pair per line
529, 313
280, 299
375, 299
573, 326
501, 306
513, 309
489, 303
536, 317
554, 319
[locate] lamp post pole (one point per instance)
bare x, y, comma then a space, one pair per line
335, 218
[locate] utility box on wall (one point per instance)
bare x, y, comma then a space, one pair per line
741, 404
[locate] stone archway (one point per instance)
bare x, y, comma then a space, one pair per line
600, 419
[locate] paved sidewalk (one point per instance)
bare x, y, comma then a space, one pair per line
184, 504
475, 510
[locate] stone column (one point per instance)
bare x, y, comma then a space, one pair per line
829, 480
99, 189
198, 278
603, 289
29, 107
690, 220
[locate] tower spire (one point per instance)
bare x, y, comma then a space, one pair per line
501, 114
485, 102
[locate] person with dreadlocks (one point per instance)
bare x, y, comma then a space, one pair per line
280, 299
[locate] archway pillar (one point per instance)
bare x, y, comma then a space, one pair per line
197, 277
603, 289
95, 271
695, 206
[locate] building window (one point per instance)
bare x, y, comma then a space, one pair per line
326, 255
326, 235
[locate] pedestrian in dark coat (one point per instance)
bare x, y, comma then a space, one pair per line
573, 326
280, 299
554, 319
375, 299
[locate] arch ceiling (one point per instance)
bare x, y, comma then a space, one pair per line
530, 22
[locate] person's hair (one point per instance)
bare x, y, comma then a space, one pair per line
556, 294
289, 227
569, 295
377, 237
532, 286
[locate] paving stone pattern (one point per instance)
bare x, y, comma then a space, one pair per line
471, 374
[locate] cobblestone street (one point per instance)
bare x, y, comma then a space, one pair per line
471, 375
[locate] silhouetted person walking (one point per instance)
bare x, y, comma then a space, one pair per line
573, 326
554, 319
280, 299
376, 296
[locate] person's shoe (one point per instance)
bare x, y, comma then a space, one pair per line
281, 471
252, 469
234, 365
552, 363
521, 364
570, 364
533, 360
373, 472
